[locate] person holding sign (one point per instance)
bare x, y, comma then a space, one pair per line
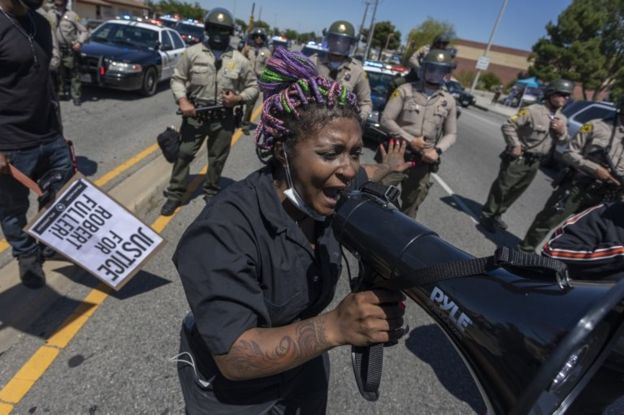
30, 131
261, 261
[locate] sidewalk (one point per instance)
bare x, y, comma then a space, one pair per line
484, 102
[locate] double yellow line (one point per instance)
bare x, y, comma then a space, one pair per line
26, 377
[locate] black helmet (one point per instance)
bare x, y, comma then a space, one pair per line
441, 41
340, 37
258, 31
436, 65
559, 86
219, 18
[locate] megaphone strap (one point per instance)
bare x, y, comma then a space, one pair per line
367, 365
504, 257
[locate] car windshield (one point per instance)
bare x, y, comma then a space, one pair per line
128, 35
171, 24
187, 29
453, 86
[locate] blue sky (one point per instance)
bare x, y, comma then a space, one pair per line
522, 24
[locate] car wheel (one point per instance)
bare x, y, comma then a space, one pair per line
150, 82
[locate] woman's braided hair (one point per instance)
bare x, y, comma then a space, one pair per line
297, 101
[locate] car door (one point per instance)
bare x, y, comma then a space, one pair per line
178, 46
166, 54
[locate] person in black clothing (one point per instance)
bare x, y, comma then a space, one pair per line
591, 243
30, 131
261, 262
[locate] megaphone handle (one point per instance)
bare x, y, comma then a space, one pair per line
367, 366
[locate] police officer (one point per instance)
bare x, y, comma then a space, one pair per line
596, 155
423, 114
439, 42
208, 73
70, 34
339, 66
530, 134
258, 54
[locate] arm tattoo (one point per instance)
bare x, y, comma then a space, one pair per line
248, 356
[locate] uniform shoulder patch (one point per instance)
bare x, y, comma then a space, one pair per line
521, 113
395, 93
586, 128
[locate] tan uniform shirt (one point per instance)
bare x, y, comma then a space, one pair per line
55, 60
421, 52
596, 135
70, 30
258, 58
410, 113
196, 77
351, 74
530, 128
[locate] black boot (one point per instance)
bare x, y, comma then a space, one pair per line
169, 207
31, 270
499, 222
487, 223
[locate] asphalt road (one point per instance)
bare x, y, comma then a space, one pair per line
119, 363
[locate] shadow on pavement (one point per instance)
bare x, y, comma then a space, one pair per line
499, 237
198, 191
95, 93
27, 310
86, 166
142, 282
430, 345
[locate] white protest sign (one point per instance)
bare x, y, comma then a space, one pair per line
483, 63
94, 231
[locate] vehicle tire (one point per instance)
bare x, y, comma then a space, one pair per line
150, 82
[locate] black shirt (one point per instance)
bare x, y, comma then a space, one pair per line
591, 243
245, 263
27, 112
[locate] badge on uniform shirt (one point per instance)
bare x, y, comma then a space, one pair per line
586, 128
231, 65
395, 93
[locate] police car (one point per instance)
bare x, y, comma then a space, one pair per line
130, 54
380, 80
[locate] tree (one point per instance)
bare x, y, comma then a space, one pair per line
424, 34
488, 81
385, 32
291, 34
242, 24
182, 9
584, 46
262, 24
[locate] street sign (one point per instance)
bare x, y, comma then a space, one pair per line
483, 63
95, 232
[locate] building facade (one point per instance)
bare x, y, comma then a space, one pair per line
506, 63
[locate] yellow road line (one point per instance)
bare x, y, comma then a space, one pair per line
21, 383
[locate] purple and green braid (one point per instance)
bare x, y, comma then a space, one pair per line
291, 83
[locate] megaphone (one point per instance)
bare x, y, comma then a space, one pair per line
532, 345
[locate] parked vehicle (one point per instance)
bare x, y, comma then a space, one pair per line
130, 55
380, 80
462, 97
311, 48
579, 113
192, 31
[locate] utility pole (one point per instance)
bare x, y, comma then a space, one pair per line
359, 33
251, 18
371, 31
487, 49
390, 35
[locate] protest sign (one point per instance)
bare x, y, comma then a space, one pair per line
95, 232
